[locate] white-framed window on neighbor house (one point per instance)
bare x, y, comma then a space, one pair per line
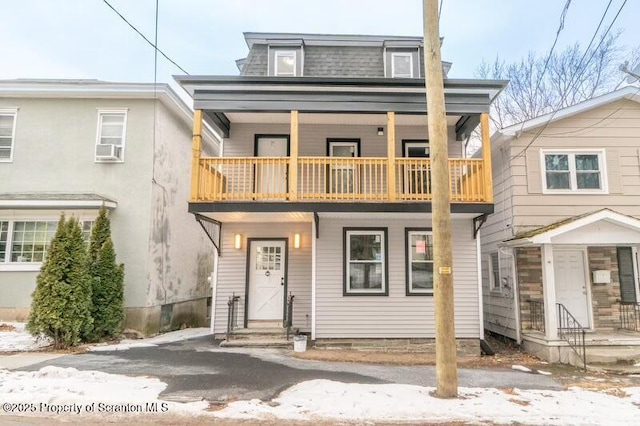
402, 65
493, 261
365, 262
7, 133
419, 267
285, 63
24, 243
573, 171
111, 137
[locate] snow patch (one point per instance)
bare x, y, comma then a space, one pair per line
19, 340
521, 368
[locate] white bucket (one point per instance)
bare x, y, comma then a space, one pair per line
300, 343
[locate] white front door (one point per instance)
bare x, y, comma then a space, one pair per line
342, 179
266, 280
571, 283
271, 177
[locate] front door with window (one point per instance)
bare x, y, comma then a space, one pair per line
266, 279
271, 177
571, 284
417, 177
343, 177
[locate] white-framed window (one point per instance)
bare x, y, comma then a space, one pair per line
419, 255
493, 261
25, 242
573, 171
111, 135
401, 64
7, 133
285, 63
365, 261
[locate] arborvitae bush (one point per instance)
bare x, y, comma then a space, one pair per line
61, 304
107, 278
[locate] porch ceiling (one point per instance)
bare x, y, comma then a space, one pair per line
328, 118
253, 217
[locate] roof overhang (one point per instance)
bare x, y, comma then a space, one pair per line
601, 227
220, 95
35, 201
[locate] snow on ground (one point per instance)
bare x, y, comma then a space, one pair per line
314, 400
19, 340
173, 336
343, 401
56, 387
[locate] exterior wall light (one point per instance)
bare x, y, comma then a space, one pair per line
380, 131
296, 240
237, 241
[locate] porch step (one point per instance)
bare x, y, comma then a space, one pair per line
618, 355
255, 343
258, 333
264, 324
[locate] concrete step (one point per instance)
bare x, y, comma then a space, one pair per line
251, 343
264, 324
258, 334
618, 355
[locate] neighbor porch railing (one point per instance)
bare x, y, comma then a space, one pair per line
630, 316
232, 313
288, 320
572, 332
330, 179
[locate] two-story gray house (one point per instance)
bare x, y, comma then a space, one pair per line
320, 203
75, 146
560, 252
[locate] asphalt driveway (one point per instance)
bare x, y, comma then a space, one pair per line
199, 369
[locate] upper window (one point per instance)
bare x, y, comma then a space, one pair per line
112, 127
401, 64
419, 262
285, 63
365, 251
573, 171
7, 133
494, 272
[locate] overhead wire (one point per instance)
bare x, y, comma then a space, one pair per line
145, 38
580, 71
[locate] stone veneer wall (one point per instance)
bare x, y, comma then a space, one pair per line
529, 272
605, 297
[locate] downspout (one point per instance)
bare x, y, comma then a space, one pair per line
314, 233
480, 295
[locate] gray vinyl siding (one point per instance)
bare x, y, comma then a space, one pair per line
232, 267
313, 138
395, 315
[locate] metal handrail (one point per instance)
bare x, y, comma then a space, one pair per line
232, 317
289, 319
536, 312
630, 316
572, 332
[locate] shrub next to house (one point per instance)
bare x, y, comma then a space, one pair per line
61, 303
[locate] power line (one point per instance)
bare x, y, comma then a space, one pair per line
578, 73
145, 38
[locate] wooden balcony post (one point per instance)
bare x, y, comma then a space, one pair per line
293, 158
486, 157
391, 155
197, 149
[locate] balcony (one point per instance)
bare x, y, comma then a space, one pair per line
331, 179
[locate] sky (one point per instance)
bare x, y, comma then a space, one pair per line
85, 39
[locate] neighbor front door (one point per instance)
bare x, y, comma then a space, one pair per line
271, 176
571, 283
266, 279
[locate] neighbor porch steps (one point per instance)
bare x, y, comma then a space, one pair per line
258, 337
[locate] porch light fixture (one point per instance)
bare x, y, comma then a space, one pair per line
237, 241
380, 131
296, 240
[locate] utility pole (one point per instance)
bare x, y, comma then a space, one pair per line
446, 369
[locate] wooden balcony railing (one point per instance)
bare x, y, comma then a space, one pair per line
333, 179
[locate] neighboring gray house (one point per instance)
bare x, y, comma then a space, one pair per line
560, 251
75, 145
320, 205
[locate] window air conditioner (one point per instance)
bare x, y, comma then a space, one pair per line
108, 152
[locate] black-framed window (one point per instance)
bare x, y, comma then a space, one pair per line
419, 261
365, 262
